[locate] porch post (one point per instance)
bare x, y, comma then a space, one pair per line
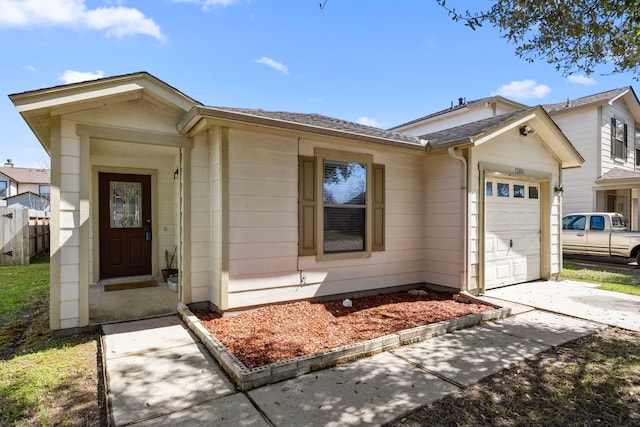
185, 224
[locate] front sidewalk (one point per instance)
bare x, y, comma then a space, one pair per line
159, 374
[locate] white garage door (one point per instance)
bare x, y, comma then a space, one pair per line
512, 232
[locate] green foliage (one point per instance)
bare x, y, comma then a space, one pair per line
575, 35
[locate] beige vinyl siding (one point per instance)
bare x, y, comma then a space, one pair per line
443, 226
200, 211
264, 264
582, 128
263, 212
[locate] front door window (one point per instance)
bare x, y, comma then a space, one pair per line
125, 204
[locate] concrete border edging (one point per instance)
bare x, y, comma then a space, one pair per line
247, 379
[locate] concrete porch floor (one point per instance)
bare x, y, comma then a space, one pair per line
130, 304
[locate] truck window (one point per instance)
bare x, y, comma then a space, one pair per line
617, 222
596, 223
574, 222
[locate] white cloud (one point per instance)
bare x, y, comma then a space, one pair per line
369, 122
114, 21
582, 80
29, 67
523, 89
208, 4
70, 76
273, 64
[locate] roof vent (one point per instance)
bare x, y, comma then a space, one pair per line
9, 163
461, 101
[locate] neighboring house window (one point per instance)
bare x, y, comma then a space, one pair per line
45, 191
618, 139
3, 189
341, 205
637, 141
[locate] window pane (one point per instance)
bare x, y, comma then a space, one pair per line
344, 196
518, 191
489, 188
3, 189
533, 192
125, 204
503, 189
45, 190
596, 223
343, 229
345, 183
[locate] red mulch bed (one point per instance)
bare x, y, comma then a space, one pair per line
279, 332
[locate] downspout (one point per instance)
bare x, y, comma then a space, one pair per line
463, 204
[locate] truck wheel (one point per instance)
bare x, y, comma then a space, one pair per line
638, 258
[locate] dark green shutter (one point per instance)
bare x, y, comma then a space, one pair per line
306, 206
625, 143
377, 204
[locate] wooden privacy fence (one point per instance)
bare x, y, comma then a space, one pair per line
24, 235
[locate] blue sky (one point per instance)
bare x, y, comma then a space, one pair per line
376, 62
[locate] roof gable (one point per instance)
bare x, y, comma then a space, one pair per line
481, 131
38, 106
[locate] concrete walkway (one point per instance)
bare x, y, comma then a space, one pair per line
158, 374
577, 299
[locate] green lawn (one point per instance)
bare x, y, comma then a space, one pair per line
43, 380
610, 278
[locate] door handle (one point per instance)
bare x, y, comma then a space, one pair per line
510, 243
147, 233
580, 234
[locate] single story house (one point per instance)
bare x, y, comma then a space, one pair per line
265, 207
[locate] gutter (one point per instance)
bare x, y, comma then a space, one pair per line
463, 202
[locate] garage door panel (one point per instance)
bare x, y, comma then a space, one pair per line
512, 233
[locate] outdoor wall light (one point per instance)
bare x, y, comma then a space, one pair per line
526, 130
558, 190
175, 174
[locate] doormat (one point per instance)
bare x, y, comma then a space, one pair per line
130, 285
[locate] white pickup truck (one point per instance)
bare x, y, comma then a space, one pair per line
599, 233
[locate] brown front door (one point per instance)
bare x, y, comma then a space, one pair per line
125, 225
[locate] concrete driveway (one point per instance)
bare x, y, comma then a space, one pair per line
576, 299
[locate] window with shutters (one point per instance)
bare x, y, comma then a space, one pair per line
618, 139
341, 205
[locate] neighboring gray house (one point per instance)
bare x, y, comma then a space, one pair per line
30, 200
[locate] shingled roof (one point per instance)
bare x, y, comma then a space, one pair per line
461, 106
308, 122
595, 99
27, 175
618, 173
462, 134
